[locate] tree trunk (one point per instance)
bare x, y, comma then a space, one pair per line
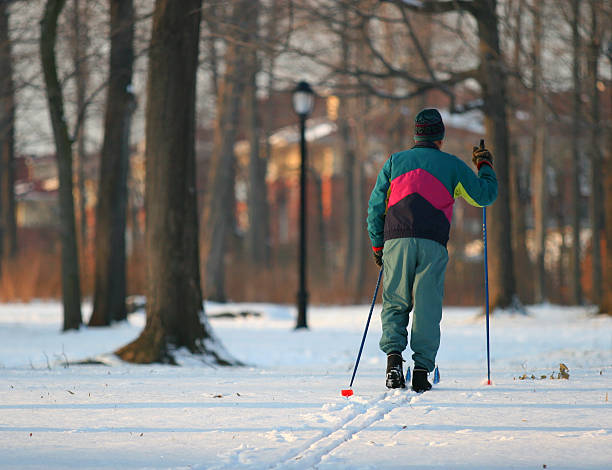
596, 206
211, 18
8, 222
348, 177
220, 206
362, 250
576, 157
492, 81
174, 296
257, 242
110, 277
562, 270
347, 150
270, 110
71, 292
539, 186
79, 51
319, 244
606, 303
519, 197
519, 200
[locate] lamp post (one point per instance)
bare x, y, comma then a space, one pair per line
303, 102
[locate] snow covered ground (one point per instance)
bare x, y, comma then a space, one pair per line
284, 410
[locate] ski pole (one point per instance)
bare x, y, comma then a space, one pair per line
486, 270
484, 233
348, 392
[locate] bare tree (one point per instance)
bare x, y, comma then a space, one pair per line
606, 303
519, 193
8, 224
360, 201
212, 12
347, 147
219, 210
539, 188
491, 76
258, 234
174, 296
597, 194
71, 291
576, 153
110, 276
79, 44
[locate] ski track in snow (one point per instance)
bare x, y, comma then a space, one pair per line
284, 412
362, 417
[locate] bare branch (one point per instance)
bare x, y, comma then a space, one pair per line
432, 6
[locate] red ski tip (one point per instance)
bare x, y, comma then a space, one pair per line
347, 393
489, 382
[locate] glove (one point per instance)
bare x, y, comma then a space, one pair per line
378, 257
481, 156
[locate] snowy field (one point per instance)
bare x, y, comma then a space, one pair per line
284, 410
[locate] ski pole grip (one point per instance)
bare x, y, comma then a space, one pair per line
482, 143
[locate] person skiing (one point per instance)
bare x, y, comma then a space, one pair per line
409, 217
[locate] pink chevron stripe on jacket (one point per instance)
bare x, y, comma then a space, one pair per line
425, 184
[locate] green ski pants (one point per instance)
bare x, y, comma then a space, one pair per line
414, 277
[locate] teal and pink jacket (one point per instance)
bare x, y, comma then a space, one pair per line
415, 192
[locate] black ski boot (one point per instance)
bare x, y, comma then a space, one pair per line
420, 383
395, 372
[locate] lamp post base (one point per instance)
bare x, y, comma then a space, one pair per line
302, 301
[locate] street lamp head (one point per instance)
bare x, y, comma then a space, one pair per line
303, 99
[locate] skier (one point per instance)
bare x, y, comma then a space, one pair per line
409, 216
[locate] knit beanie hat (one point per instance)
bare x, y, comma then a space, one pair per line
428, 126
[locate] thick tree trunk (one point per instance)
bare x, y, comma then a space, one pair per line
174, 296
71, 292
493, 83
8, 222
576, 156
219, 213
597, 195
110, 277
539, 186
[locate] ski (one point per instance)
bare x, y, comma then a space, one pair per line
436, 375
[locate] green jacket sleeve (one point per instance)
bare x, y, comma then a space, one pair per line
478, 190
377, 206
